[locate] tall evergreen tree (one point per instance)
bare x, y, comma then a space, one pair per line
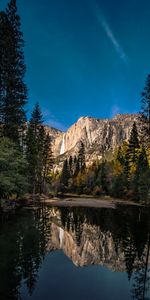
81, 157
13, 89
31, 155
141, 181
36, 118
133, 145
134, 140
143, 165
39, 152
119, 156
77, 168
48, 161
4, 30
102, 180
120, 182
35, 140
144, 119
71, 165
40, 142
13, 168
65, 175
34, 148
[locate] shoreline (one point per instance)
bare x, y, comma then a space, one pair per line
84, 201
67, 200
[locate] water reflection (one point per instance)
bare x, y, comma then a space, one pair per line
117, 239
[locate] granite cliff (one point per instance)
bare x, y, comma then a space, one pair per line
98, 136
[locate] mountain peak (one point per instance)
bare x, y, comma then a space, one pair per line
83, 118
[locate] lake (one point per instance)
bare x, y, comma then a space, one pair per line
75, 253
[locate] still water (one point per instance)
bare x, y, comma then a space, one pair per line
75, 253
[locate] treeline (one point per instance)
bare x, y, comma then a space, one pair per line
25, 147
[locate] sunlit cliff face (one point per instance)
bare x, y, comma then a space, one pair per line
98, 136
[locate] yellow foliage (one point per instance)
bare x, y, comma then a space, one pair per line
148, 155
81, 178
124, 148
117, 168
133, 168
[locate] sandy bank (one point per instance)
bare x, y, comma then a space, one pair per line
86, 202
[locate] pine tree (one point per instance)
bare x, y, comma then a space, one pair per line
39, 152
13, 89
119, 156
36, 118
76, 167
142, 162
142, 177
31, 155
13, 168
40, 141
81, 157
120, 181
34, 149
4, 30
102, 177
65, 175
126, 168
144, 119
48, 160
71, 165
133, 146
134, 140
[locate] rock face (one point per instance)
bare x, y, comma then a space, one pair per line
98, 135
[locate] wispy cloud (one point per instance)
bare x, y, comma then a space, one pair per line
56, 124
115, 110
102, 21
51, 120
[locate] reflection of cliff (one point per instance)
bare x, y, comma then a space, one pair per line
95, 246
116, 239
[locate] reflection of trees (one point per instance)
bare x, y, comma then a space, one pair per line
23, 243
73, 220
141, 281
129, 254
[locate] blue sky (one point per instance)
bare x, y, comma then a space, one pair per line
85, 57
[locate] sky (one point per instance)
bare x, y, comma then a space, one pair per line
85, 57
